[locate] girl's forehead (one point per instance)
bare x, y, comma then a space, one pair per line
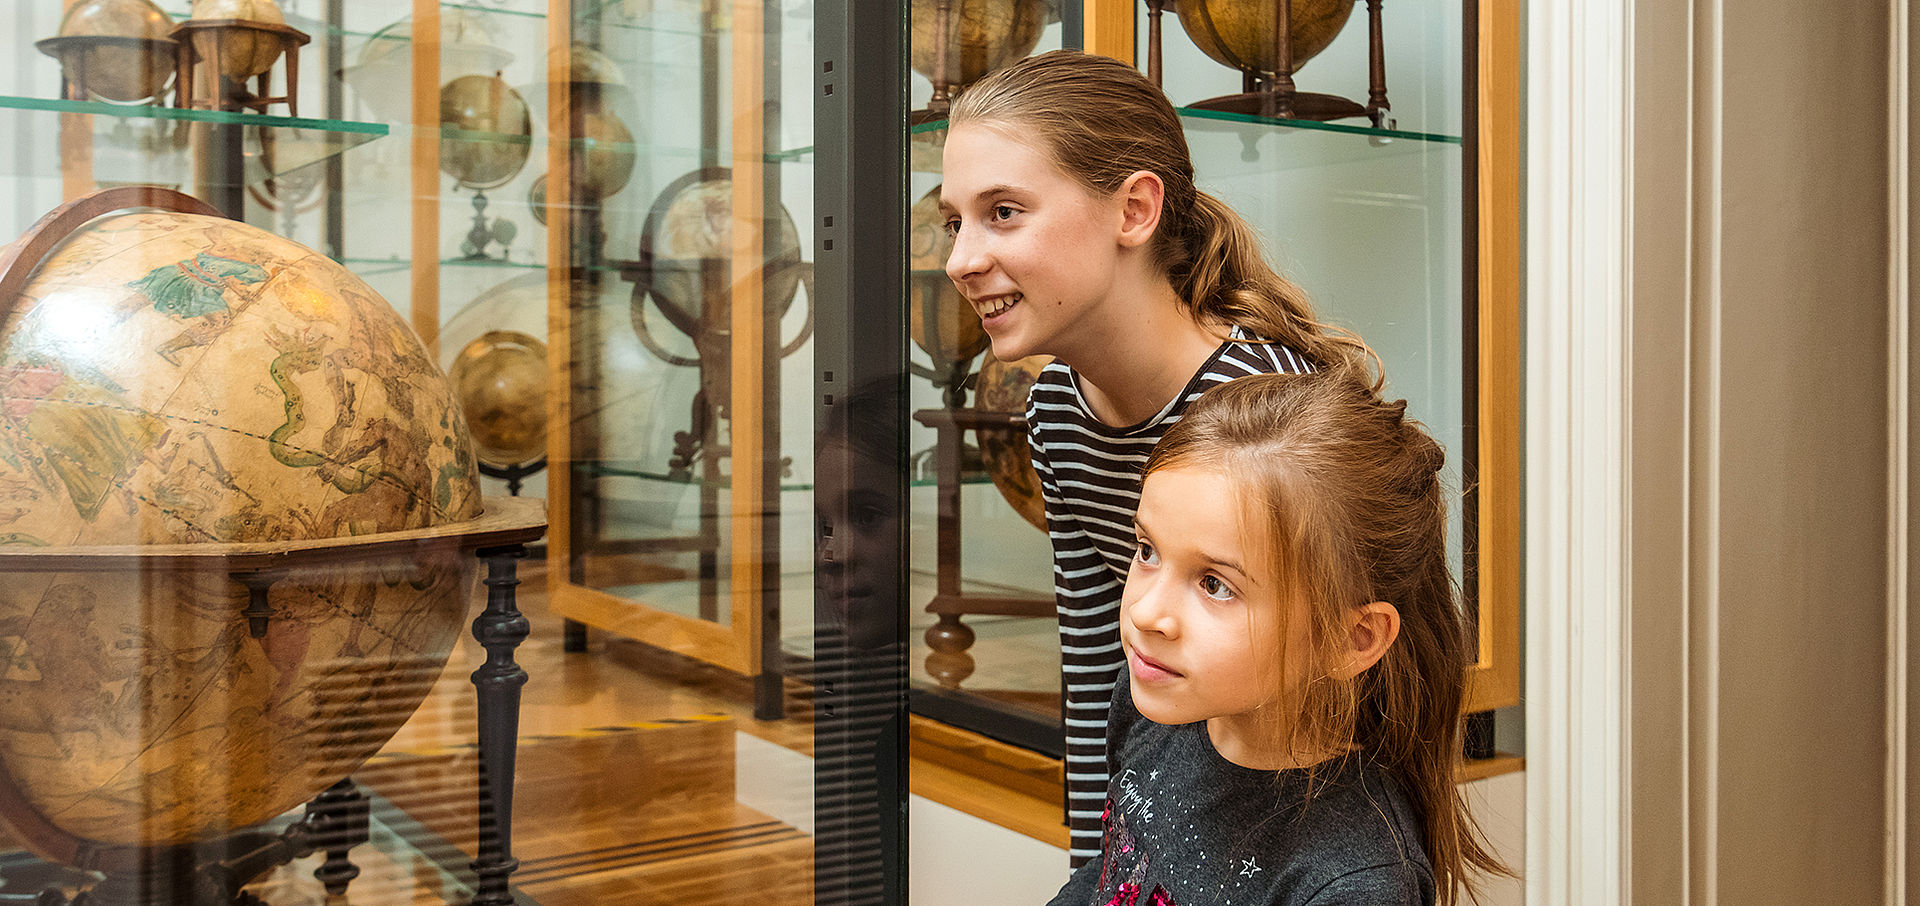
980, 155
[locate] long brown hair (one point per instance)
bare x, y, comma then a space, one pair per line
1102, 121
1348, 492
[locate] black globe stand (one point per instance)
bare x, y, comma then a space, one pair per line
513, 475
500, 629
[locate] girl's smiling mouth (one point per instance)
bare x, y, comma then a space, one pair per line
998, 306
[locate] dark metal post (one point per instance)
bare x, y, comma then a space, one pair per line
860, 403
500, 629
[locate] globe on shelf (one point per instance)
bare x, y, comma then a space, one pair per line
1242, 35
942, 324
979, 37
500, 382
1003, 388
491, 135
382, 72
177, 383
607, 156
242, 53
118, 50
688, 243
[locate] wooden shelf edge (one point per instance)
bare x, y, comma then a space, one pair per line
1483, 768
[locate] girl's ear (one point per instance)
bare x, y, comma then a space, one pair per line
1371, 630
1142, 196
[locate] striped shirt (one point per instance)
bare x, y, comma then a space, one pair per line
1090, 478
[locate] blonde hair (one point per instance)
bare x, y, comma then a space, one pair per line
1101, 121
1348, 491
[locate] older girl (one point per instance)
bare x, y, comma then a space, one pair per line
1079, 234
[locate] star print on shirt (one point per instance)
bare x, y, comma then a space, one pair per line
1247, 868
1154, 774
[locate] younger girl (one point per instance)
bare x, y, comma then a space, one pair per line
1294, 645
1079, 234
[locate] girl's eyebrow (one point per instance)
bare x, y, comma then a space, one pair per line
1140, 528
947, 207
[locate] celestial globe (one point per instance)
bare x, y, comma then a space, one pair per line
115, 49
1241, 35
941, 323
492, 131
243, 53
1002, 387
982, 36
170, 382
500, 382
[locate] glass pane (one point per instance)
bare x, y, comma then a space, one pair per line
251, 467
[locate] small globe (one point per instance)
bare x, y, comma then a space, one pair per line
984, 35
382, 73
135, 61
491, 135
940, 321
182, 380
243, 53
1003, 387
689, 238
1241, 35
500, 382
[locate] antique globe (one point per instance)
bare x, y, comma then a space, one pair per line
500, 382
489, 131
1242, 35
242, 53
115, 49
688, 240
981, 36
1003, 388
174, 383
382, 72
942, 323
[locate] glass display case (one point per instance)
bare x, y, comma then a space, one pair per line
670, 268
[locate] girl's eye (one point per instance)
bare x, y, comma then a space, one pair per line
1145, 553
1216, 588
1002, 212
952, 227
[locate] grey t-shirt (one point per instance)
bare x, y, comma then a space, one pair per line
1186, 827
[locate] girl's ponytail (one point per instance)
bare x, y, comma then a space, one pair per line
1222, 274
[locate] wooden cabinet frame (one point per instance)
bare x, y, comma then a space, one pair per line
1494, 154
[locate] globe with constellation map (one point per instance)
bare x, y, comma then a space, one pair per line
172, 382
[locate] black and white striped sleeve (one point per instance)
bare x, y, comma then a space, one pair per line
1087, 599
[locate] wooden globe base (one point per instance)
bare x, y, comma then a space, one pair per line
1273, 94
212, 873
75, 53
1294, 105
229, 93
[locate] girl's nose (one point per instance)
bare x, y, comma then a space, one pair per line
968, 258
1147, 607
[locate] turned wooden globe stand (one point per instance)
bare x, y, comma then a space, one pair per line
1275, 96
949, 659
231, 94
212, 873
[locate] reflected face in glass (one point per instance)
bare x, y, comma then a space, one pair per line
1200, 620
856, 568
1034, 252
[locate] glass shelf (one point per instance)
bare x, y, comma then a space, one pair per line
316, 28
1221, 138
274, 145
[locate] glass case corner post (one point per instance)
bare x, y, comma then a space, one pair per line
860, 405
